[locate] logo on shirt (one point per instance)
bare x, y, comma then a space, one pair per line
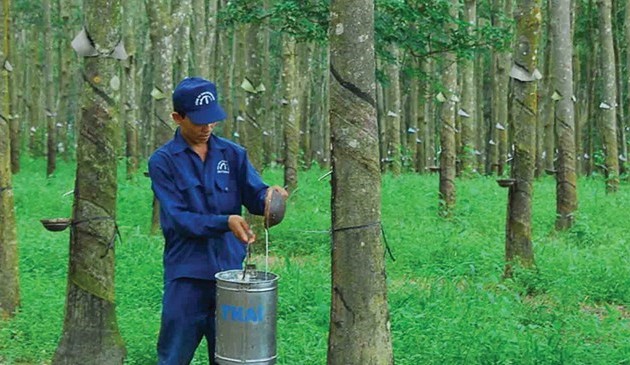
223, 167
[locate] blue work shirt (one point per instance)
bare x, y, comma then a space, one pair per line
196, 198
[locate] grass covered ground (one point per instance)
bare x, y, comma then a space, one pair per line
448, 302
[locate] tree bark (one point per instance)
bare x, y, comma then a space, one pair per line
420, 136
90, 330
624, 126
448, 146
304, 72
50, 109
621, 107
545, 140
359, 325
501, 61
254, 96
161, 25
518, 245
9, 275
608, 103
566, 178
36, 135
428, 126
199, 33
182, 10
67, 74
468, 113
413, 141
16, 93
226, 81
393, 113
129, 105
211, 38
290, 113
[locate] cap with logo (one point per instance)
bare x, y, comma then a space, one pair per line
197, 99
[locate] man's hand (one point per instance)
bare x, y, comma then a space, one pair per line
240, 228
281, 190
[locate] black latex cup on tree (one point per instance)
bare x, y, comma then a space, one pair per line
274, 208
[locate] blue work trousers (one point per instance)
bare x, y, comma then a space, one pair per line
187, 316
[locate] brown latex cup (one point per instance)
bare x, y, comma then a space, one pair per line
274, 208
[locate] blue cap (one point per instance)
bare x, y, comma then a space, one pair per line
197, 98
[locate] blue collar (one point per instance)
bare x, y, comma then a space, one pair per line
179, 144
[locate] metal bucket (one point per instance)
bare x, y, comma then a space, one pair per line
246, 317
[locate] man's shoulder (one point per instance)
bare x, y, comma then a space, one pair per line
161, 152
224, 143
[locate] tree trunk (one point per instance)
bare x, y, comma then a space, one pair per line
10, 288
608, 105
412, 119
267, 120
129, 105
518, 245
226, 81
199, 32
592, 72
90, 330
16, 93
447, 128
325, 91
625, 124
35, 145
621, 107
239, 57
545, 132
64, 115
392, 113
359, 319
159, 12
481, 136
290, 113
211, 38
182, 10
428, 125
304, 72
321, 138
50, 110
468, 112
502, 61
254, 95
566, 178
420, 135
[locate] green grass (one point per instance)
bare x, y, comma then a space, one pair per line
448, 302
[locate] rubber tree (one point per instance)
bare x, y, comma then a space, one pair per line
608, 101
448, 147
393, 113
290, 113
468, 110
562, 60
9, 276
129, 105
359, 318
501, 67
90, 329
161, 26
49, 91
545, 141
525, 76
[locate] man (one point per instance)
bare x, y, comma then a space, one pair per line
201, 182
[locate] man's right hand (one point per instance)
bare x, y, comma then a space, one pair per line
240, 228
